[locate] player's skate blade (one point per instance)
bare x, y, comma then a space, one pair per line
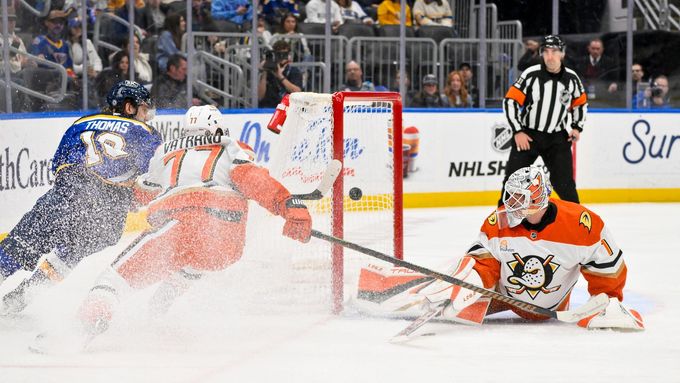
50, 344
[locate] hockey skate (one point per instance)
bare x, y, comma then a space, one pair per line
13, 302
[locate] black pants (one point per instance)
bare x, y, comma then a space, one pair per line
79, 216
555, 151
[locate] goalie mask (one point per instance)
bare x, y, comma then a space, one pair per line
526, 192
203, 120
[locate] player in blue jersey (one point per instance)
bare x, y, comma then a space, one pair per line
96, 164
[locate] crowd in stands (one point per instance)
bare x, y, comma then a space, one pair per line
160, 62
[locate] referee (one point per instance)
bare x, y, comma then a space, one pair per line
537, 107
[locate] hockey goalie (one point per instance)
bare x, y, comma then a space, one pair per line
533, 248
202, 183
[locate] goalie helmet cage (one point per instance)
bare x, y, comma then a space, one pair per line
360, 129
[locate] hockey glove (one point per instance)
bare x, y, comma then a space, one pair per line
616, 317
298, 221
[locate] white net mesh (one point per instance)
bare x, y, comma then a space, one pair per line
299, 158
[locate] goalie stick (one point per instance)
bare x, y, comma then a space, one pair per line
596, 304
329, 175
404, 334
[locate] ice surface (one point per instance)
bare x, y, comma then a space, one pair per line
222, 332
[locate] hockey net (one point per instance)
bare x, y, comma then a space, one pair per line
365, 204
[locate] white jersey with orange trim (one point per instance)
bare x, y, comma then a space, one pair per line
541, 263
192, 162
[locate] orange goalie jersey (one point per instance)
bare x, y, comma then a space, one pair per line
541, 263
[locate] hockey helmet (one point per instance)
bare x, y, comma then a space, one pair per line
553, 41
526, 192
203, 120
128, 90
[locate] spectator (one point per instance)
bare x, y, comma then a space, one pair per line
274, 10
429, 96
119, 8
171, 90
51, 46
239, 12
316, 13
120, 5
456, 91
143, 70
394, 87
298, 45
640, 98
659, 97
599, 72
16, 61
277, 77
530, 56
468, 76
352, 12
119, 71
433, 12
151, 18
75, 37
638, 76
355, 79
202, 19
264, 38
170, 40
73, 7
389, 13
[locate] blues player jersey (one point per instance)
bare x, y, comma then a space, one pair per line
114, 148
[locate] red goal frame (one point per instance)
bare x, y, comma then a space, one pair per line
337, 211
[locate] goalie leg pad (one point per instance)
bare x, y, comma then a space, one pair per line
390, 290
616, 317
460, 297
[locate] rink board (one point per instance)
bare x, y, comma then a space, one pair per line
459, 160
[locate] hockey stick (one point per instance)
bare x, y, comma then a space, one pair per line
404, 334
329, 175
594, 305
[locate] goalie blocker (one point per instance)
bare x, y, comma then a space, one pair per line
533, 249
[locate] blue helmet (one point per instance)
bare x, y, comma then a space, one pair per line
128, 90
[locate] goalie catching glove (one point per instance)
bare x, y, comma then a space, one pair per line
298, 221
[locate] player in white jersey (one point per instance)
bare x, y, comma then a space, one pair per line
202, 183
533, 249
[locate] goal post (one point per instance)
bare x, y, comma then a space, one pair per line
362, 130
339, 100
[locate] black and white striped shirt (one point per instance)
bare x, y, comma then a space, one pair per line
543, 101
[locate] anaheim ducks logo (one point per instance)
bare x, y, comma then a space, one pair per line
585, 221
492, 219
532, 274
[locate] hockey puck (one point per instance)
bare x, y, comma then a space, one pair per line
355, 193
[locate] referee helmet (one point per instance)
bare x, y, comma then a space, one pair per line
553, 41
